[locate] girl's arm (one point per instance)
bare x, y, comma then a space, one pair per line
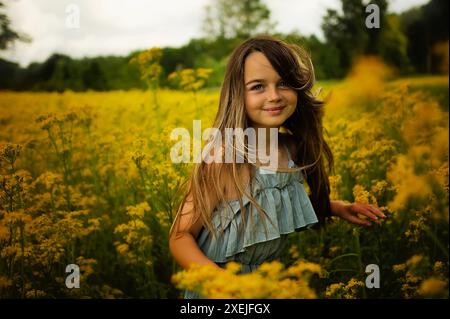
348, 212
352, 212
182, 243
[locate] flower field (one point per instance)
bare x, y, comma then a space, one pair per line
86, 179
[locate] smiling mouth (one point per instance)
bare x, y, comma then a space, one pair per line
272, 109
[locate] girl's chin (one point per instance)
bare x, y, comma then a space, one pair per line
273, 121
269, 124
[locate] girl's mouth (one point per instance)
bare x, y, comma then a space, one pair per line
275, 110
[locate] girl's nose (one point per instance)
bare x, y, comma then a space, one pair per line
274, 95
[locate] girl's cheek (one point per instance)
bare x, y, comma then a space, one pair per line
248, 101
258, 101
291, 96
251, 103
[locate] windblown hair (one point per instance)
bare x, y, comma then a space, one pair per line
294, 66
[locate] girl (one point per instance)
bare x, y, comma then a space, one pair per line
267, 85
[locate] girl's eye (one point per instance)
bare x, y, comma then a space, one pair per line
259, 86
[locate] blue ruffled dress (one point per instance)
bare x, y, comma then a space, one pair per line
283, 197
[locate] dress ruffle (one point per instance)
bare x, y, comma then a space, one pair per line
286, 203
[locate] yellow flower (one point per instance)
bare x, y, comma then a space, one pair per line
293, 250
190, 79
414, 260
438, 267
10, 152
360, 194
5, 282
333, 289
434, 287
347, 291
138, 210
270, 280
399, 267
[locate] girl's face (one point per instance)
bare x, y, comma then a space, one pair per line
269, 101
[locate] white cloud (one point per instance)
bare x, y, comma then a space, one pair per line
402, 5
303, 16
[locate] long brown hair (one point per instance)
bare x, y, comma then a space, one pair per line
294, 66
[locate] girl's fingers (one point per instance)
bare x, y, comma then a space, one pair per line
376, 211
364, 211
369, 214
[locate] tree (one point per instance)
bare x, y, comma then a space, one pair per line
347, 32
425, 27
376, 34
324, 57
10, 72
350, 37
394, 44
8, 35
228, 19
93, 77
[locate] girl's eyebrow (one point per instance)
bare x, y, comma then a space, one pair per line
258, 80
254, 80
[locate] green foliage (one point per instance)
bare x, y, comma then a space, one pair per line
7, 35
228, 19
426, 26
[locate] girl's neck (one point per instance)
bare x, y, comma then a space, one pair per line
271, 140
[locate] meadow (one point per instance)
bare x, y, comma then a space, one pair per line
86, 179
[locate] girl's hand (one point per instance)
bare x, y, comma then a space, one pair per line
353, 213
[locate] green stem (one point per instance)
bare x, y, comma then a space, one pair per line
360, 264
22, 246
344, 269
342, 256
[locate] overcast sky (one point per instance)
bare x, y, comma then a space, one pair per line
117, 27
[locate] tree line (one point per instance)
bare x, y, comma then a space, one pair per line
415, 41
